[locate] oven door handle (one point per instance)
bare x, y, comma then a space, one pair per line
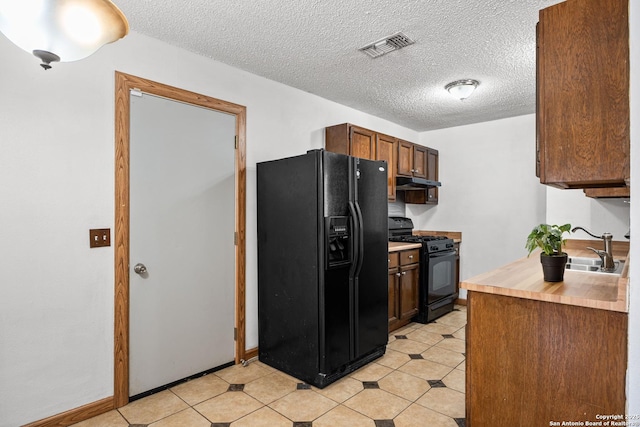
442, 254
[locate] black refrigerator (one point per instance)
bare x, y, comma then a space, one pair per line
322, 264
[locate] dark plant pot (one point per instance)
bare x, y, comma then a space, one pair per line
553, 266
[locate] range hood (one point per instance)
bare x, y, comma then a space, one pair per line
404, 183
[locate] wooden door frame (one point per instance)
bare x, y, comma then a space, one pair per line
124, 83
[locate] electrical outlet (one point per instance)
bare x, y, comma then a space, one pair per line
99, 237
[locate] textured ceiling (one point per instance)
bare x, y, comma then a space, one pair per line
313, 45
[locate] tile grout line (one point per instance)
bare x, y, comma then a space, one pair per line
337, 400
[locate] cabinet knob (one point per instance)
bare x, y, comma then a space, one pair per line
410, 256
404, 272
398, 274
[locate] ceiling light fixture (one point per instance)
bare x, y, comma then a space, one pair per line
462, 89
61, 30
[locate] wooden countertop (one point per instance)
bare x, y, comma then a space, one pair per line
523, 279
400, 246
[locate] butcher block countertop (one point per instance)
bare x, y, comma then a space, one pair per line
400, 246
523, 279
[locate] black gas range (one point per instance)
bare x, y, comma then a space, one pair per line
438, 277
431, 244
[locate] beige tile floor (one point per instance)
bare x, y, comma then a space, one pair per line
418, 382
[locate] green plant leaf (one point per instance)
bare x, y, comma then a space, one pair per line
548, 238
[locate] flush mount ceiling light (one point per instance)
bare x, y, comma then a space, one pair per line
61, 30
462, 89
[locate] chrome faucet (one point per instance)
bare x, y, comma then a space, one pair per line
606, 255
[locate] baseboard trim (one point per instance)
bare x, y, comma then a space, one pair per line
251, 353
96, 408
76, 415
461, 301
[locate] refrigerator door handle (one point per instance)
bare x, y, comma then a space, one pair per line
360, 239
355, 240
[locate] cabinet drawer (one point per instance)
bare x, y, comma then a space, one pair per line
409, 257
394, 259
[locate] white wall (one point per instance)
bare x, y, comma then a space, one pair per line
57, 175
489, 191
56, 169
633, 392
596, 215
491, 194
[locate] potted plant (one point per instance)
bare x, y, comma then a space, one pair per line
549, 239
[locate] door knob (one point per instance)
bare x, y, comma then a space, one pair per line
140, 268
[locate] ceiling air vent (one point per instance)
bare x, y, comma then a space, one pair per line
386, 45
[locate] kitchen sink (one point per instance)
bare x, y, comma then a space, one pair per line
592, 265
584, 261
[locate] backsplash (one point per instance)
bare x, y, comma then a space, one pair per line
397, 208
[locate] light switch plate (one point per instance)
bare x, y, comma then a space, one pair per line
99, 237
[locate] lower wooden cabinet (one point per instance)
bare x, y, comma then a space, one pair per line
394, 280
404, 282
533, 363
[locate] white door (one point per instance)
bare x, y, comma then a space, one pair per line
182, 223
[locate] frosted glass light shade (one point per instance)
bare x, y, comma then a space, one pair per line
61, 30
462, 89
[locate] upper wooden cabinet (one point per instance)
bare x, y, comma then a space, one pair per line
608, 193
432, 174
429, 196
419, 161
366, 144
412, 159
386, 147
363, 143
403, 158
351, 140
583, 94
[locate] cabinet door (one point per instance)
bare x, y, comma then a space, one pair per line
419, 161
363, 143
432, 174
405, 158
394, 302
386, 150
409, 288
457, 248
410, 256
429, 196
546, 367
583, 94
